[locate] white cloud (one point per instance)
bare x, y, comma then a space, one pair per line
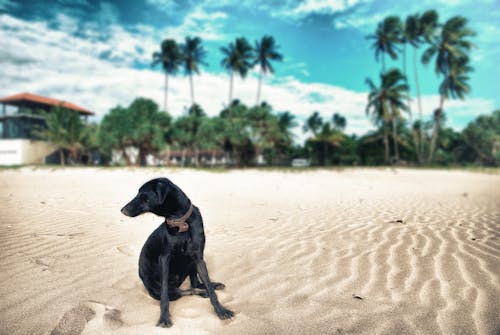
456, 110
199, 22
167, 6
360, 22
300, 68
302, 9
322, 7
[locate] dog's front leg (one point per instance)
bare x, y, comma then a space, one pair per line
165, 321
221, 311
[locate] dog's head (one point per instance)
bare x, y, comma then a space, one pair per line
151, 198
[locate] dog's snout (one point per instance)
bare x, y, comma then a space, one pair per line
125, 211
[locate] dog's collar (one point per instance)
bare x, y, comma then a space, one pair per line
180, 222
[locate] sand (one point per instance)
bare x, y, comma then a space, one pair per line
358, 251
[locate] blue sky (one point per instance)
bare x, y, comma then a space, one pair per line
97, 53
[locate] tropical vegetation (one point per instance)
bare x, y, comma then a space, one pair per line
242, 135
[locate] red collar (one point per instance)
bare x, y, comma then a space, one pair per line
180, 222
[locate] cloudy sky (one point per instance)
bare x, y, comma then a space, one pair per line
97, 53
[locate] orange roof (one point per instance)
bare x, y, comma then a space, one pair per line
17, 99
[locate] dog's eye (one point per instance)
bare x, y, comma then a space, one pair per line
144, 198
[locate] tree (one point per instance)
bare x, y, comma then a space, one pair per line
265, 52
237, 130
186, 131
210, 134
325, 137
411, 35
385, 102
339, 122
483, 136
451, 49
329, 138
89, 142
428, 25
264, 130
283, 142
193, 55
386, 37
141, 126
237, 58
65, 130
170, 58
314, 123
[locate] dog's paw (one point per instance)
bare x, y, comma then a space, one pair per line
164, 324
218, 286
224, 313
215, 285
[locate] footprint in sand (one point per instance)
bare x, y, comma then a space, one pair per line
88, 318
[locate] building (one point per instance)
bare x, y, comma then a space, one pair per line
20, 115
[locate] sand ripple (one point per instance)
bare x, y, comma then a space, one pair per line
352, 252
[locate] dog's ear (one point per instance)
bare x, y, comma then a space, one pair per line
162, 190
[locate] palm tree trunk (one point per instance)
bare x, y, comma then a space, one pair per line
231, 90
61, 156
404, 58
192, 89
410, 114
435, 130
142, 159
259, 87
326, 153
165, 102
168, 154
420, 151
386, 144
395, 137
386, 135
127, 158
196, 157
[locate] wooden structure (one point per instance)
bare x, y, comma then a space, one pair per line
20, 115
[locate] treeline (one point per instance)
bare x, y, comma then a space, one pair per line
249, 136
447, 45
256, 135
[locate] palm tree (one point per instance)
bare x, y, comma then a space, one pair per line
428, 25
411, 36
339, 122
314, 123
385, 102
329, 137
196, 117
455, 86
237, 59
170, 58
65, 130
451, 49
193, 54
265, 52
386, 37
286, 121
283, 137
376, 107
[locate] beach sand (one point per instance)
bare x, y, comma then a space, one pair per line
357, 251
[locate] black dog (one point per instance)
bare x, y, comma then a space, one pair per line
175, 249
